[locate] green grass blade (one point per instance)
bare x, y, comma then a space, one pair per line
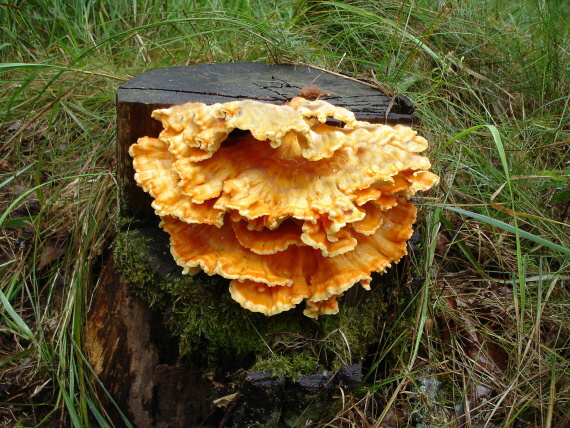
69, 405
101, 421
28, 192
107, 393
509, 228
24, 329
18, 356
20, 172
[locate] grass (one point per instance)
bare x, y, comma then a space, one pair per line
490, 82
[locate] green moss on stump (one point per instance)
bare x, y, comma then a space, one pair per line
216, 330
290, 367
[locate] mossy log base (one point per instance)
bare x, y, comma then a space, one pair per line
166, 346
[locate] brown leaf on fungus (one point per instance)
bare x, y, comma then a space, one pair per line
311, 91
311, 208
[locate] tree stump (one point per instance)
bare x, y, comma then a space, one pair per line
167, 361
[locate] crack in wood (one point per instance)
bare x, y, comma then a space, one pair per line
212, 94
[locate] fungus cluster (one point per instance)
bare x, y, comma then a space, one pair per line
292, 202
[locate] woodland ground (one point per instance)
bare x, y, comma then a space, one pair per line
490, 342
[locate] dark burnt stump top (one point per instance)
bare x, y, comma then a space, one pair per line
219, 83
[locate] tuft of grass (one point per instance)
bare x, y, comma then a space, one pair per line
480, 335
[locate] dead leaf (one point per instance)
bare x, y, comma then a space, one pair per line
226, 400
441, 244
394, 419
6, 166
52, 251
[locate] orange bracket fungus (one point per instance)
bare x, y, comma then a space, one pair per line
292, 202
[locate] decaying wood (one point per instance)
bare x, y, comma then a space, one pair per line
135, 356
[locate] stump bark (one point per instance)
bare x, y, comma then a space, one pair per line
164, 362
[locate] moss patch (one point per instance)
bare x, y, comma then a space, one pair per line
216, 331
291, 367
